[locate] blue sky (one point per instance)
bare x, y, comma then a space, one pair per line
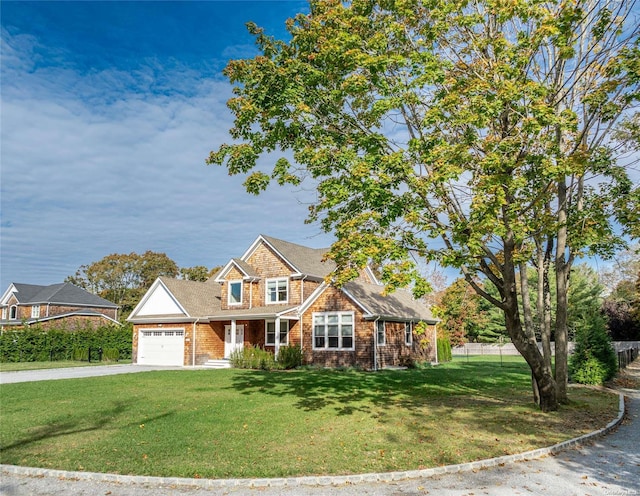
108, 111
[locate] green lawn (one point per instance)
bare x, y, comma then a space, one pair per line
239, 423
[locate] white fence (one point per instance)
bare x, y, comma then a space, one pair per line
510, 349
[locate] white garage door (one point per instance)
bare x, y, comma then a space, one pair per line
161, 347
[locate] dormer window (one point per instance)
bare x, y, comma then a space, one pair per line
277, 290
235, 293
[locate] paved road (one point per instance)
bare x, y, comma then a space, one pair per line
609, 466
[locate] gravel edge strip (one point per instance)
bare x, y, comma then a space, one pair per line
322, 480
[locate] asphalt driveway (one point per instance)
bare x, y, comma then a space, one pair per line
75, 372
607, 466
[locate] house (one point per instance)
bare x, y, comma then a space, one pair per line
276, 294
57, 305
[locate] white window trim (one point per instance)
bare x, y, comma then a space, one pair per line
408, 326
266, 290
283, 321
13, 312
384, 333
229, 301
35, 312
4, 313
326, 337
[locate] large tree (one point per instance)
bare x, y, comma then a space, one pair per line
124, 277
467, 132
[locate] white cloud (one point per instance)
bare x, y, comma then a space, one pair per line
99, 163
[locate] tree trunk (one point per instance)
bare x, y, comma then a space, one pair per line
525, 342
543, 301
562, 278
536, 390
528, 324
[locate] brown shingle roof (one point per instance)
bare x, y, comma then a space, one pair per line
397, 305
199, 299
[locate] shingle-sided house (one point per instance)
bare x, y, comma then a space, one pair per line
57, 305
275, 294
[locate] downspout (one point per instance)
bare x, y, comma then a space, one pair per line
276, 347
193, 344
300, 315
375, 343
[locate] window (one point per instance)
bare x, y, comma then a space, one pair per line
333, 331
13, 312
270, 330
381, 334
235, 292
4, 313
408, 335
35, 311
277, 290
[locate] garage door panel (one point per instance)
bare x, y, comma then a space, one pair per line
161, 347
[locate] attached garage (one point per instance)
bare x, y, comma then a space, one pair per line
161, 347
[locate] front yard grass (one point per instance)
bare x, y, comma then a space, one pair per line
241, 423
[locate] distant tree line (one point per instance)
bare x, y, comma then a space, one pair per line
124, 278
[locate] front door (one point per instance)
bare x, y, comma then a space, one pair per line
228, 345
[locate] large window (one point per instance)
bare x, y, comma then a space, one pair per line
381, 334
277, 290
35, 312
408, 334
235, 292
270, 337
333, 331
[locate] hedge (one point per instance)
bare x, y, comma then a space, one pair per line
34, 344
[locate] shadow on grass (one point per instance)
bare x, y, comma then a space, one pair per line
483, 387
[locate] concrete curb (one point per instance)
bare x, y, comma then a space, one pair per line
320, 480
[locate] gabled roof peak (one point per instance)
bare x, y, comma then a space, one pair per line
302, 259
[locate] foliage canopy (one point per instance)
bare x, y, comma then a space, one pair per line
450, 130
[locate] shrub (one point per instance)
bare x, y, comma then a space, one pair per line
252, 357
81, 354
591, 371
444, 350
28, 344
594, 360
110, 354
407, 361
290, 357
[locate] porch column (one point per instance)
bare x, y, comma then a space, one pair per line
277, 344
233, 335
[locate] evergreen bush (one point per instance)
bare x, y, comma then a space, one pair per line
594, 360
444, 350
